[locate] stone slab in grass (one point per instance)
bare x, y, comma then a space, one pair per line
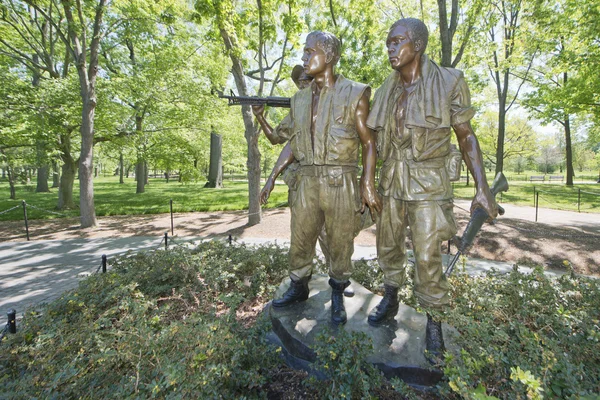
398, 345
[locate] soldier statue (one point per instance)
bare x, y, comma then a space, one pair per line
412, 113
325, 128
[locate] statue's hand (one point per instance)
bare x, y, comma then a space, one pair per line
484, 199
266, 191
370, 198
258, 110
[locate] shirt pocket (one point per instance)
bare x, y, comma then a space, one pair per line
343, 144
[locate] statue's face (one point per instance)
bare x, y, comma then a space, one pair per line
401, 49
314, 59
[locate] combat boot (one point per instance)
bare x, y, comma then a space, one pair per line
297, 292
387, 307
338, 312
434, 341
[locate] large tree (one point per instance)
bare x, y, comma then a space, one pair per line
249, 33
570, 56
511, 54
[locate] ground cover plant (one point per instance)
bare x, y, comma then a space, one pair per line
185, 323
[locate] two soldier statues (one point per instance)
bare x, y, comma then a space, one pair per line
407, 127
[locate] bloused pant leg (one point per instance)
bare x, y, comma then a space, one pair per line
391, 240
307, 222
341, 205
430, 222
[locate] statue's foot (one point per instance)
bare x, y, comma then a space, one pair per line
338, 311
349, 291
297, 292
434, 342
387, 308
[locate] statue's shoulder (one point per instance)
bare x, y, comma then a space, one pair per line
449, 74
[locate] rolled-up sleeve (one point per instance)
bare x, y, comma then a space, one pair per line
460, 108
283, 131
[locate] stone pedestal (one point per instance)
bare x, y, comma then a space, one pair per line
398, 345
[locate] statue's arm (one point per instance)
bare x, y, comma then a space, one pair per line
286, 157
370, 197
471, 153
259, 111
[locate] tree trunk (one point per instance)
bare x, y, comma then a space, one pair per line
121, 180
215, 174
65, 190
500, 142
42, 179
140, 176
569, 151
11, 182
251, 134
55, 174
445, 37
146, 181
86, 161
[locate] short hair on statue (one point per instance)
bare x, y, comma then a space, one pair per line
328, 43
417, 30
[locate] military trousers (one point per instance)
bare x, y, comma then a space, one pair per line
326, 197
431, 223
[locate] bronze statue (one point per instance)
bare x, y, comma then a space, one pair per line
325, 126
412, 114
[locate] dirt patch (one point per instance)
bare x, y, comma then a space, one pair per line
511, 240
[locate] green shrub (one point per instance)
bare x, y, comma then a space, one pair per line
525, 335
182, 324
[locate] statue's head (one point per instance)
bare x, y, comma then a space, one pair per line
300, 78
406, 41
321, 49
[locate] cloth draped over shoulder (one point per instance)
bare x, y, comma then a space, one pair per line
441, 99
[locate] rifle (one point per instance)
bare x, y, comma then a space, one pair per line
271, 101
500, 184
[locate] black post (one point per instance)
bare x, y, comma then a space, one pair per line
534, 196
12, 321
166, 240
171, 203
25, 216
537, 203
103, 263
230, 239
579, 200
448, 252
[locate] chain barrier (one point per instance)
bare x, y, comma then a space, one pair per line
558, 207
48, 211
10, 209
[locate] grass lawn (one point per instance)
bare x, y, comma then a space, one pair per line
552, 195
112, 198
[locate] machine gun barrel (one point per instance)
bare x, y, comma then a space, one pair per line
271, 101
500, 184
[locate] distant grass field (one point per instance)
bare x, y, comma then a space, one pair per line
112, 198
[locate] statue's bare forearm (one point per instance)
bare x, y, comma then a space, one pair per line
369, 154
286, 157
471, 153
